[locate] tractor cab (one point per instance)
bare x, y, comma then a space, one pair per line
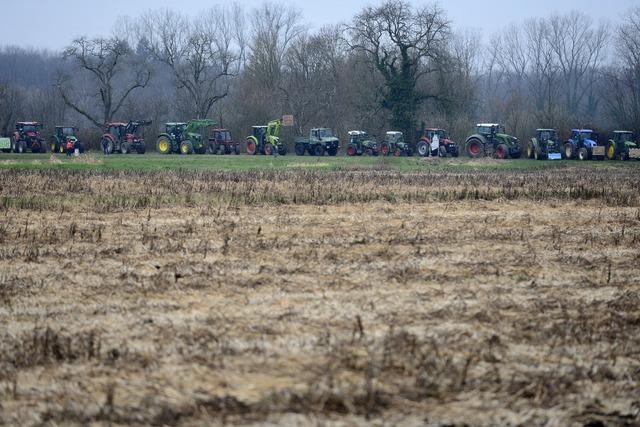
360, 143
28, 130
491, 129
394, 137
357, 136
222, 136
442, 134
259, 132
544, 135
116, 129
66, 131
581, 135
621, 137
176, 130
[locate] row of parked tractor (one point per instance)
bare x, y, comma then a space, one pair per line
490, 140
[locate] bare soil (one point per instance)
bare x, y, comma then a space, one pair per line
306, 297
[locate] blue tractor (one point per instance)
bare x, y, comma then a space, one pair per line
580, 144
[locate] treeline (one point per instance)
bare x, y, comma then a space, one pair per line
393, 66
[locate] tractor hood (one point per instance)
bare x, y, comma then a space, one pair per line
589, 143
329, 139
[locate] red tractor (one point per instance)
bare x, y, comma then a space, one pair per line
221, 142
442, 146
123, 138
27, 137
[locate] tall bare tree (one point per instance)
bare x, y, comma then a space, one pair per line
114, 73
404, 44
204, 54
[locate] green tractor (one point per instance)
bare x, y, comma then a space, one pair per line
184, 138
491, 140
622, 146
394, 144
545, 145
361, 144
64, 135
266, 140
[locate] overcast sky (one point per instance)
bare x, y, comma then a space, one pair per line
53, 24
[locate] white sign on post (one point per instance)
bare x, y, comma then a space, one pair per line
287, 120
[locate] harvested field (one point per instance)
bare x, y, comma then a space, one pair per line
320, 297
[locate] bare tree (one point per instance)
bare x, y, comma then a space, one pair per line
114, 72
203, 54
403, 45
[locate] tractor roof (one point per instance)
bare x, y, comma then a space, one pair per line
394, 133
220, 130
259, 127
66, 127
175, 124
357, 132
116, 124
29, 123
545, 130
434, 129
582, 130
488, 124
622, 131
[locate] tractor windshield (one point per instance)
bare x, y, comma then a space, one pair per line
223, 135
587, 135
548, 135
29, 128
68, 131
325, 133
628, 136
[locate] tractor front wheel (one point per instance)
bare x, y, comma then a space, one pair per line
502, 152
385, 149
332, 152
268, 149
351, 151
299, 149
163, 145
397, 153
186, 147
318, 150
124, 148
583, 154
474, 148
443, 151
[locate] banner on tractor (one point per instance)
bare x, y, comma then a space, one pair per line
287, 120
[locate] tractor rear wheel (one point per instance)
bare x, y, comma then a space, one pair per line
237, 149
583, 154
20, 147
251, 148
531, 150
318, 150
186, 147
351, 151
385, 149
443, 151
474, 148
569, 151
268, 149
368, 152
502, 152
299, 149
611, 151
423, 149
163, 145
124, 148
283, 149
212, 148
332, 152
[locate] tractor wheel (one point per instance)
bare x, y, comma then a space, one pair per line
385, 149
531, 150
283, 149
141, 149
53, 146
237, 150
611, 151
61, 149
268, 149
583, 154
502, 152
186, 147
212, 148
80, 147
423, 149
299, 149
474, 148
569, 151
443, 151
318, 150
624, 156
36, 147
251, 148
332, 152
397, 153
351, 151
163, 145
124, 148
368, 152
21, 147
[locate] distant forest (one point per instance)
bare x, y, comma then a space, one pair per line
392, 66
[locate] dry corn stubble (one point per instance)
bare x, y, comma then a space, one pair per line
303, 296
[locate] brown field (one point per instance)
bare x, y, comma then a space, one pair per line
306, 297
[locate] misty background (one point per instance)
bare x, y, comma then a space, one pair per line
548, 64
